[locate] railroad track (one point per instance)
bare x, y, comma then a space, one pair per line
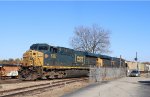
39, 88
17, 81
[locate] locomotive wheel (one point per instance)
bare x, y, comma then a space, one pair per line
61, 74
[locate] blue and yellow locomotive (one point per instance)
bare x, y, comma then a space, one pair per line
45, 61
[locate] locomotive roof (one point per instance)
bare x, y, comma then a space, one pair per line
39, 44
64, 48
91, 54
79, 52
45, 44
105, 57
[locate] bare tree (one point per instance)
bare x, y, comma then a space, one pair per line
93, 39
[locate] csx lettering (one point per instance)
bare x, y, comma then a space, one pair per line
79, 59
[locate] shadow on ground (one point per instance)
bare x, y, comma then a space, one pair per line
144, 82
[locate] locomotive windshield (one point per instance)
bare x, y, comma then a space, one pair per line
41, 47
34, 47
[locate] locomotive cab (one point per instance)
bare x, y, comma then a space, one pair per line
35, 56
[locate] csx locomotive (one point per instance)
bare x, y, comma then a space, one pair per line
45, 61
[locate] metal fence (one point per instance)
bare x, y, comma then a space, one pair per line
98, 74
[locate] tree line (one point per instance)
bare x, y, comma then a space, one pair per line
11, 61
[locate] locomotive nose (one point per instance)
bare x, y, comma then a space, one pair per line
33, 58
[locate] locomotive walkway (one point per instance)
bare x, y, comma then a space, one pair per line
124, 87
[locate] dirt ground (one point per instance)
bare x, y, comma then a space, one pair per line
56, 92
99, 90
123, 87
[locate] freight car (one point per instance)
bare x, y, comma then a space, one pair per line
8, 71
45, 61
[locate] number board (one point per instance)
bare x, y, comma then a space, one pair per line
53, 55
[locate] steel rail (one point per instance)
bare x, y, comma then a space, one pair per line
40, 87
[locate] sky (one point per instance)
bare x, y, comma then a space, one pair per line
25, 23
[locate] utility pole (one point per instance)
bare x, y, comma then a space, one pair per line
136, 59
120, 67
120, 61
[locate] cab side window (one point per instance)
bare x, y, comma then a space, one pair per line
53, 50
